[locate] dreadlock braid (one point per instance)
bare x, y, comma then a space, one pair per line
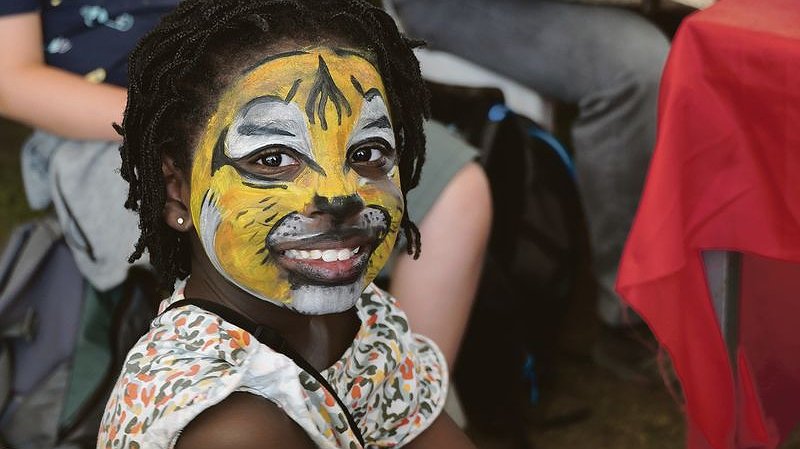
179, 69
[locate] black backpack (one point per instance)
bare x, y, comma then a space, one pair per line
62, 342
537, 243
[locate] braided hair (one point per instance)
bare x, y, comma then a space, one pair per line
179, 70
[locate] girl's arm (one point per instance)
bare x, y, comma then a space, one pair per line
49, 98
244, 421
443, 433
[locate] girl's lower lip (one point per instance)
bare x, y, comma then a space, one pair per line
317, 271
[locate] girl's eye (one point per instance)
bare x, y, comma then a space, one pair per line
276, 160
372, 158
274, 163
366, 155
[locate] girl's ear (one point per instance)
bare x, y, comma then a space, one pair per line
176, 207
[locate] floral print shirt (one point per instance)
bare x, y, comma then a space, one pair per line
393, 382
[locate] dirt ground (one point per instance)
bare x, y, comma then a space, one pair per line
623, 414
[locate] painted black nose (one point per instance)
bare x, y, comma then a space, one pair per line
339, 207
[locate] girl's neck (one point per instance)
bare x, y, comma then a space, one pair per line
320, 339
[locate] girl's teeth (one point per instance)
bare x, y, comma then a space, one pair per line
328, 255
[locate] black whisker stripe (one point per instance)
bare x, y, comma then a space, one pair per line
264, 248
271, 217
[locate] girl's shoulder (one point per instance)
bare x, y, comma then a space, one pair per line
187, 362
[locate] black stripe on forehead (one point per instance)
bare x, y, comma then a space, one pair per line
346, 52
357, 85
324, 90
263, 61
292, 91
368, 95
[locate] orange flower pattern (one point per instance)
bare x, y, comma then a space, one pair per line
393, 382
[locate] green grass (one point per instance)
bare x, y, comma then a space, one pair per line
13, 204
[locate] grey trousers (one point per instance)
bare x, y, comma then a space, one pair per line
606, 61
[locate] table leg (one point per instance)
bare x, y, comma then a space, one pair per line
723, 274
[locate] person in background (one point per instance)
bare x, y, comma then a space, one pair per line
608, 62
63, 72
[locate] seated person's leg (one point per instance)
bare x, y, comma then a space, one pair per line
453, 208
606, 60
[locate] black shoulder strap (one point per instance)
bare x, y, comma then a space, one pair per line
271, 338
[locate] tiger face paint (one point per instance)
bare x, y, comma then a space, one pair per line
295, 191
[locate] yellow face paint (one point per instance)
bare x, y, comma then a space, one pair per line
295, 191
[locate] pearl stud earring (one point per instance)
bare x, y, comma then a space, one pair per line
180, 221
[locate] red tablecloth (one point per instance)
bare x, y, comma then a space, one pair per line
726, 175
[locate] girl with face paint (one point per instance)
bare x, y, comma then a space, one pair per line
269, 146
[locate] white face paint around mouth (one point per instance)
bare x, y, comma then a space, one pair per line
308, 299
